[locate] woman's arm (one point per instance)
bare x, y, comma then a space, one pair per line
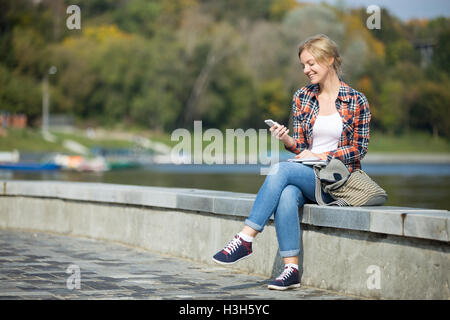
296, 143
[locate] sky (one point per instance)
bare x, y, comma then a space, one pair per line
403, 9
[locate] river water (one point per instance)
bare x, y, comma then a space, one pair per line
410, 185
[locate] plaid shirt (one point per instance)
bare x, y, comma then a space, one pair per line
355, 113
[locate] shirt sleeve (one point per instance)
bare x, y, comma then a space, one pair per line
356, 148
298, 134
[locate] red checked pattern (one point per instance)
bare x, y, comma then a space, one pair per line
355, 113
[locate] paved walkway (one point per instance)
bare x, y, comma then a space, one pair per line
43, 266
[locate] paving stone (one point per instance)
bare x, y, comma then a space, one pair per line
37, 269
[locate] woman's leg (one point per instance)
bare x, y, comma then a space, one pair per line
287, 224
281, 175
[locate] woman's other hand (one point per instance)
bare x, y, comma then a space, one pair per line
305, 154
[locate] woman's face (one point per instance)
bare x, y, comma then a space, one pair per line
313, 70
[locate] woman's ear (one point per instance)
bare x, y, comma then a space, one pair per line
330, 62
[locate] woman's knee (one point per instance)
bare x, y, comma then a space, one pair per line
280, 170
290, 192
291, 195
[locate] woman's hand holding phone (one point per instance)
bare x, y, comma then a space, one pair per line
280, 132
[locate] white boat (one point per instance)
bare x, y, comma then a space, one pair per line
9, 157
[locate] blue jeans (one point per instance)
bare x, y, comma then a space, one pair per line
286, 188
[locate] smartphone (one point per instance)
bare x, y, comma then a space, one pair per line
270, 122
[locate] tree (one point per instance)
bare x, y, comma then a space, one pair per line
400, 51
441, 54
139, 16
207, 45
297, 26
431, 109
279, 8
19, 94
391, 111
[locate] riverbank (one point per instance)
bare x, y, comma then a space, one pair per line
416, 147
406, 158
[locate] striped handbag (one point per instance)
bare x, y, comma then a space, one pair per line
354, 189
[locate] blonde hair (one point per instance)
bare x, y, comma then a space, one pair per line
322, 48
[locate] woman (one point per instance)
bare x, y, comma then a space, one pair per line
330, 120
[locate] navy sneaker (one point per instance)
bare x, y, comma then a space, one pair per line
288, 279
237, 249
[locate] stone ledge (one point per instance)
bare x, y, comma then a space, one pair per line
400, 221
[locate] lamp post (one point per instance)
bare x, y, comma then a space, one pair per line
46, 99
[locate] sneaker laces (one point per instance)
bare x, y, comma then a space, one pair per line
286, 273
233, 245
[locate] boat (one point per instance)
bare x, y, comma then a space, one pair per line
9, 157
30, 166
81, 163
119, 165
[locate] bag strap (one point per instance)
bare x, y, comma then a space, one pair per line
318, 192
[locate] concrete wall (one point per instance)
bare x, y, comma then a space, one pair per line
379, 252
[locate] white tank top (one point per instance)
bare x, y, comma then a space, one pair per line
326, 133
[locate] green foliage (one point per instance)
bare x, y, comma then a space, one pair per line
441, 56
163, 63
392, 29
412, 142
93, 8
237, 9
432, 108
273, 99
391, 106
19, 94
139, 16
400, 51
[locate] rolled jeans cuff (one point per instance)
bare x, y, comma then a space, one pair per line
253, 225
289, 253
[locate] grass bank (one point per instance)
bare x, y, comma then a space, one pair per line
414, 142
31, 140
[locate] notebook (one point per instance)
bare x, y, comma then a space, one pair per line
309, 161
